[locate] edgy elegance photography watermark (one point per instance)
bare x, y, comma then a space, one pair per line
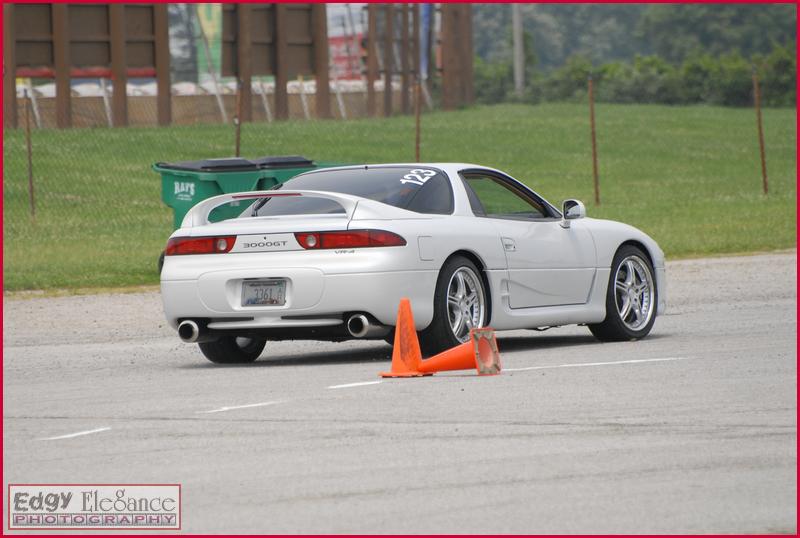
94, 506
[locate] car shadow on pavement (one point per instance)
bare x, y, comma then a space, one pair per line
538, 341
534, 342
384, 354
344, 356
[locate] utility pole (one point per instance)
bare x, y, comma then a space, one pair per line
519, 49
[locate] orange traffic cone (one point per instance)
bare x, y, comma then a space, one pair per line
406, 355
480, 353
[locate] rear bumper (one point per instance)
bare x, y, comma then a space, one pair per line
319, 298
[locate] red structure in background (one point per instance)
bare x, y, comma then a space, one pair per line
346, 56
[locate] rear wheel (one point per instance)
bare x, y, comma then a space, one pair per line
233, 349
631, 298
459, 304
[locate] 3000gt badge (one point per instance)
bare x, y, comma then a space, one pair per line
266, 243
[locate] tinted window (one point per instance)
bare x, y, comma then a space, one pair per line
492, 197
424, 190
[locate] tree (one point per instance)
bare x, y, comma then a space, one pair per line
676, 31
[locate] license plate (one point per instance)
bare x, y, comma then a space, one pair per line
264, 293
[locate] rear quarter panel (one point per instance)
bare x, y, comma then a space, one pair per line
436, 239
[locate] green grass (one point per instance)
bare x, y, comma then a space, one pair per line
688, 176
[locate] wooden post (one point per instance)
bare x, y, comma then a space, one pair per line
319, 22
30, 155
372, 56
415, 42
163, 82
388, 60
119, 74
62, 65
451, 70
594, 143
467, 55
237, 117
244, 63
757, 99
280, 63
456, 45
9, 68
417, 119
404, 61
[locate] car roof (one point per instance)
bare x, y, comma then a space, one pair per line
440, 165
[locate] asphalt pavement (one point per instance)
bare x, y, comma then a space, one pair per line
693, 429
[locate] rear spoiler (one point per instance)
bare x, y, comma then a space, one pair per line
198, 215
356, 207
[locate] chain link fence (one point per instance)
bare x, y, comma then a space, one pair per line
94, 216
91, 212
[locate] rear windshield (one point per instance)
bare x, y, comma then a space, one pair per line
420, 189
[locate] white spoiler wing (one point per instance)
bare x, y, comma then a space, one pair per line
367, 209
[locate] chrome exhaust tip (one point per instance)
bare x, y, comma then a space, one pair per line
189, 331
358, 326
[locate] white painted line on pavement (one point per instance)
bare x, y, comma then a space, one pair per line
235, 407
578, 364
348, 385
76, 434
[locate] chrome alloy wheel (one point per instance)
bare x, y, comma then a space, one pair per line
466, 304
634, 292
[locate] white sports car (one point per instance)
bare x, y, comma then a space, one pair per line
329, 254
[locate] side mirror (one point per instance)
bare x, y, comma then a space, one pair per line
571, 210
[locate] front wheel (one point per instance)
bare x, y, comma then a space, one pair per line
460, 303
233, 349
631, 298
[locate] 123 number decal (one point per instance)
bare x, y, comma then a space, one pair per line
418, 176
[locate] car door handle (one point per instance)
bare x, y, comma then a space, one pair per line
508, 244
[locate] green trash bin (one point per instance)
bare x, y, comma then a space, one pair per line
185, 184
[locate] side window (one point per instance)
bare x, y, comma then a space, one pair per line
491, 197
434, 197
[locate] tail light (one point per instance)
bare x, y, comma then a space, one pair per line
349, 239
200, 245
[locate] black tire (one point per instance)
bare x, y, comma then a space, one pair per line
160, 262
439, 335
614, 328
227, 350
